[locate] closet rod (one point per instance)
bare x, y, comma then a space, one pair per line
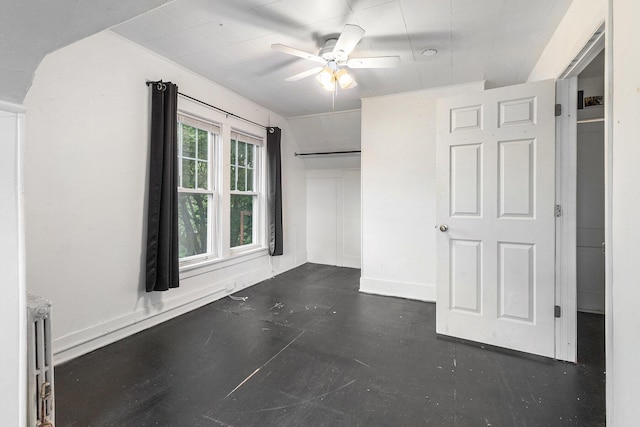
596, 120
326, 152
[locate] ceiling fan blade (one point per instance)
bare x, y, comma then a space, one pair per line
298, 53
375, 62
304, 74
351, 35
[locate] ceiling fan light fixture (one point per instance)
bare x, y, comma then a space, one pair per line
325, 76
327, 79
329, 86
344, 79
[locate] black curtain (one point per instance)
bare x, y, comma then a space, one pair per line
162, 220
274, 196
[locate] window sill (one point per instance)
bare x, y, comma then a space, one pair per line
196, 268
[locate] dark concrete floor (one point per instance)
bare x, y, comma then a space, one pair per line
307, 349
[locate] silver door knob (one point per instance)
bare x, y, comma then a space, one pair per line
444, 227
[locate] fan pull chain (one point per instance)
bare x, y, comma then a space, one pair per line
335, 93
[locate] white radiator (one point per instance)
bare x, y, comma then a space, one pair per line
40, 407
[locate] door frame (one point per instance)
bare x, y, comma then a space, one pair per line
566, 190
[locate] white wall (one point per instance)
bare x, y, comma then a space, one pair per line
622, 357
399, 192
12, 282
622, 154
86, 158
576, 28
333, 217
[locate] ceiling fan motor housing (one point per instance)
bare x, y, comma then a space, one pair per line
327, 52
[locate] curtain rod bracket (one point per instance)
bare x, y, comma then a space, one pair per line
159, 84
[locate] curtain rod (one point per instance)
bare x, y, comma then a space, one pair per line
211, 106
326, 152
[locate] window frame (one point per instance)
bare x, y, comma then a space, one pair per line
214, 138
257, 193
219, 253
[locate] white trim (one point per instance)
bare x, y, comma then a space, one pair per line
10, 107
246, 137
198, 122
212, 264
608, 210
20, 113
86, 340
333, 113
213, 164
415, 291
590, 50
566, 188
566, 283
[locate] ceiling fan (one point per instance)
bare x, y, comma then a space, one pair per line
334, 56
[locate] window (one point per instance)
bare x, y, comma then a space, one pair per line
244, 187
196, 188
200, 199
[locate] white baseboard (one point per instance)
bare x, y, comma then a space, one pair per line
86, 340
415, 291
92, 338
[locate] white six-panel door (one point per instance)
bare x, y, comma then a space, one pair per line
496, 221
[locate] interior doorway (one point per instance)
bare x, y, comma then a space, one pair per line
581, 193
590, 212
590, 198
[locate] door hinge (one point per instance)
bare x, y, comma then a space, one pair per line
557, 311
558, 110
558, 211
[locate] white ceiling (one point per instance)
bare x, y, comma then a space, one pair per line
229, 42
29, 29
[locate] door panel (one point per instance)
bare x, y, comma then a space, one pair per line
496, 192
466, 277
516, 285
517, 176
466, 178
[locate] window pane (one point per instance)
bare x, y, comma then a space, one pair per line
233, 178
188, 173
241, 179
192, 224
203, 175
203, 144
233, 151
188, 141
242, 153
250, 150
249, 179
241, 220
